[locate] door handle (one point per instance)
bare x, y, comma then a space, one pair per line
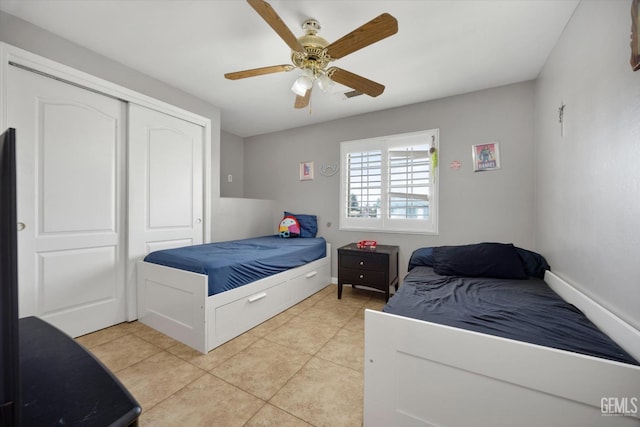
21, 226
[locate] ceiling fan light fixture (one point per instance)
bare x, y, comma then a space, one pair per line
303, 83
325, 83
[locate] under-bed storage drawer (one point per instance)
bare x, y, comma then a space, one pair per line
309, 282
250, 310
244, 313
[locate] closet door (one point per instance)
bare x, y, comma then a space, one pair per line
70, 152
165, 184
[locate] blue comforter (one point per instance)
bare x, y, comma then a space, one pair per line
525, 310
238, 262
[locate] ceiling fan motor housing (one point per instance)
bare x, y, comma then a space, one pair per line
315, 56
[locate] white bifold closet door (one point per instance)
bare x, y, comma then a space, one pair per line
71, 196
165, 184
101, 183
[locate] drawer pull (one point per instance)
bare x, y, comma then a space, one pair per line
312, 274
361, 262
362, 276
256, 297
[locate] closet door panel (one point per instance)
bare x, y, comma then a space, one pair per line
166, 200
70, 153
170, 179
76, 277
78, 195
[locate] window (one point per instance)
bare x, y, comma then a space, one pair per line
388, 184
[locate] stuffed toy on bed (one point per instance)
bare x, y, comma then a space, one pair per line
289, 227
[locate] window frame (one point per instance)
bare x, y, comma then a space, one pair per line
386, 224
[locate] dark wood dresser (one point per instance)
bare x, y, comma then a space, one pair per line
373, 268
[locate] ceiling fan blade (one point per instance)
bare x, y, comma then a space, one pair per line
373, 31
258, 71
303, 101
267, 13
355, 81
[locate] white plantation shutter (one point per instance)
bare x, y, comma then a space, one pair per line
388, 184
409, 175
364, 184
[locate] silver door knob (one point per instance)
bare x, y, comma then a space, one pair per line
21, 226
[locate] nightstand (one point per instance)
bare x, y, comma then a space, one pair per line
374, 268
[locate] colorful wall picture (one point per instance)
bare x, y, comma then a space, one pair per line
306, 171
486, 157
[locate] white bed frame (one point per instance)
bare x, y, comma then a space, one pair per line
420, 373
175, 302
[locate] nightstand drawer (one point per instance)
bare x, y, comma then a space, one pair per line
371, 262
363, 277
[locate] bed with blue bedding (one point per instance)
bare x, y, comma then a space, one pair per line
231, 264
497, 289
205, 295
486, 335
524, 310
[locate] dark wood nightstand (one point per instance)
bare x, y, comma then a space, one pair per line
374, 268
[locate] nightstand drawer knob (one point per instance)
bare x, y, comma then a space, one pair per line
362, 276
361, 262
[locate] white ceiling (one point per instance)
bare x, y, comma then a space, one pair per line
442, 48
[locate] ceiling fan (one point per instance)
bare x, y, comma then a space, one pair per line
312, 54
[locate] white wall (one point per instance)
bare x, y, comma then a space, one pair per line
588, 181
243, 218
485, 206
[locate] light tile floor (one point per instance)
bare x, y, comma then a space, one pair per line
303, 367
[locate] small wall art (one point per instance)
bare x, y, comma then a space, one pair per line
306, 171
486, 157
329, 169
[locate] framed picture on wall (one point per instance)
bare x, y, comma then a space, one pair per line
486, 157
306, 171
635, 40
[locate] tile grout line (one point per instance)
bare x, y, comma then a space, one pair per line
175, 392
162, 350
